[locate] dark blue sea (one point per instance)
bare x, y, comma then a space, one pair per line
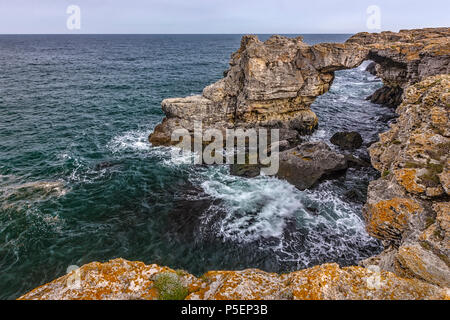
79, 181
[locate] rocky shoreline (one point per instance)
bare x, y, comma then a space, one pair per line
272, 84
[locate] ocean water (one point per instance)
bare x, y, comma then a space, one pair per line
79, 181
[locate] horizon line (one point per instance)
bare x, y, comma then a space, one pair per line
244, 33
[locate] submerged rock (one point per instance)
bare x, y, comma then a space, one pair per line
245, 170
347, 140
309, 162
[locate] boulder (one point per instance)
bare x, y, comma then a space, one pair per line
306, 164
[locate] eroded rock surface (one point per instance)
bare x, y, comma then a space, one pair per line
408, 207
272, 84
122, 279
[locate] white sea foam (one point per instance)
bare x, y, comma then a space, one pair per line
262, 208
255, 208
134, 140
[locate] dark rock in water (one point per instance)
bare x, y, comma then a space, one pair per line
313, 210
390, 96
371, 68
104, 165
245, 170
308, 163
347, 140
354, 162
387, 117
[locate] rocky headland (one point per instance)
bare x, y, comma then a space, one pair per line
272, 84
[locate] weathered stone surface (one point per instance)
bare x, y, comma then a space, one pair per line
414, 152
122, 279
309, 162
408, 206
417, 260
330, 282
387, 219
347, 140
117, 279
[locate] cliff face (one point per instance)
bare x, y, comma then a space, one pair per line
273, 83
408, 207
404, 58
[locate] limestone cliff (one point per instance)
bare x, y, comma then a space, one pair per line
273, 83
408, 207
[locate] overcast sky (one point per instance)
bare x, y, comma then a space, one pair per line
219, 16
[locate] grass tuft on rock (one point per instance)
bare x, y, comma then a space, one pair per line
170, 287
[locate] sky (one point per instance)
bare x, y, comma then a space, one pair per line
219, 16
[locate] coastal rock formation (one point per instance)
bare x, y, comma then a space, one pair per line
122, 279
269, 84
408, 207
404, 58
309, 162
272, 84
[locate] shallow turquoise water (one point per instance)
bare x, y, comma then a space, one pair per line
79, 182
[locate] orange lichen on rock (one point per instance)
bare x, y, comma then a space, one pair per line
420, 262
387, 219
122, 279
330, 282
443, 215
408, 179
117, 279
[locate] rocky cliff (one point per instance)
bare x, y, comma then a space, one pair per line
273, 83
408, 207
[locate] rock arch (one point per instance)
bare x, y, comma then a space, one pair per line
273, 83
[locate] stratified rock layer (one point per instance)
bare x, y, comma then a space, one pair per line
272, 84
408, 207
122, 279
